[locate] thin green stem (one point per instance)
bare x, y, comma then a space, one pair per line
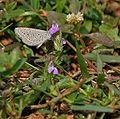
32, 66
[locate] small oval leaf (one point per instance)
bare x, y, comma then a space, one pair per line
55, 16
101, 38
74, 6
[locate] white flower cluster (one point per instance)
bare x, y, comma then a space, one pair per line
74, 18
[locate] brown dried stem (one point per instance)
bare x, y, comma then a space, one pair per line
59, 97
71, 45
113, 106
84, 6
13, 106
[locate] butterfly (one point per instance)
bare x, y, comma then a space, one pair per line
32, 37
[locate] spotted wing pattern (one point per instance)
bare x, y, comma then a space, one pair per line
32, 37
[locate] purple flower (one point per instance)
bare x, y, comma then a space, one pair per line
52, 68
63, 41
55, 71
54, 28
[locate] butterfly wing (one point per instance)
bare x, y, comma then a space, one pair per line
32, 37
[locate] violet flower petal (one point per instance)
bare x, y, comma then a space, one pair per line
55, 71
50, 64
53, 30
63, 41
50, 69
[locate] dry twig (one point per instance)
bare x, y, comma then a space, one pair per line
59, 97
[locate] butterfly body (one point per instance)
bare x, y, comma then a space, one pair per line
32, 37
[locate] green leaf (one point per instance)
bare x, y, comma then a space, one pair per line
45, 85
4, 58
86, 27
81, 62
5, 28
53, 90
11, 6
35, 4
99, 64
104, 58
104, 28
46, 111
73, 96
60, 18
15, 68
28, 13
93, 14
74, 6
29, 52
14, 56
110, 20
48, 7
111, 86
117, 44
10, 63
2, 68
110, 31
113, 34
91, 107
58, 43
40, 60
25, 6
18, 65
52, 2
10, 47
17, 12
64, 83
101, 38
60, 6
32, 98
100, 79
